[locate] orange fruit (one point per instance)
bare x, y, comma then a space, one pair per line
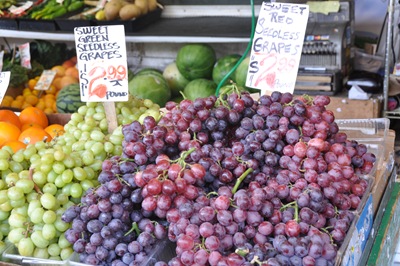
72, 72
15, 145
26, 126
8, 132
55, 130
60, 70
34, 115
57, 83
68, 63
32, 135
10, 117
68, 80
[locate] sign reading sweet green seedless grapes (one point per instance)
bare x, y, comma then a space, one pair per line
102, 63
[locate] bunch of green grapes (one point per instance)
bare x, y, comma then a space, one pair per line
41, 181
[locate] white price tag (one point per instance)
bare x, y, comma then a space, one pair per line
45, 80
4, 81
277, 45
102, 61
25, 55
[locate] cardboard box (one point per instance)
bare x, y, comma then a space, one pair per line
383, 171
345, 108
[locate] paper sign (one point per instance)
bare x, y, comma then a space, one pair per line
25, 55
276, 49
45, 80
102, 63
4, 81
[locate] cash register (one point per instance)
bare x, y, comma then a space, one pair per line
326, 56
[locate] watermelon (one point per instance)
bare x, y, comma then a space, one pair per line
69, 99
130, 74
149, 70
199, 88
176, 81
196, 61
222, 68
240, 74
150, 86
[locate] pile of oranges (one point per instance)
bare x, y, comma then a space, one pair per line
29, 127
66, 74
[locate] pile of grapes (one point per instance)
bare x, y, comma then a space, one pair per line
40, 182
229, 181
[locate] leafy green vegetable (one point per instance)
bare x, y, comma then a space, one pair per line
19, 74
49, 54
36, 69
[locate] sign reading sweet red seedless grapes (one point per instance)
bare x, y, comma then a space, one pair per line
4, 81
276, 49
102, 63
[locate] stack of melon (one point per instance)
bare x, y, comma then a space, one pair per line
196, 73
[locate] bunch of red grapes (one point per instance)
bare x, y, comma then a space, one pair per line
238, 181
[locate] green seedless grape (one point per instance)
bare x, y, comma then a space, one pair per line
54, 250
36, 215
39, 240
41, 253
26, 247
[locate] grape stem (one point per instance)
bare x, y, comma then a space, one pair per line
201, 245
296, 209
183, 95
211, 194
330, 236
35, 186
242, 251
133, 228
240, 180
184, 155
309, 99
256, 260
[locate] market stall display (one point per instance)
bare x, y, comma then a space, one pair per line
216, 177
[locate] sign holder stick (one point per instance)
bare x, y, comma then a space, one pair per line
111, 116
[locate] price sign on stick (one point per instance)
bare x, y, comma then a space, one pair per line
102, 64
4, 81
277, 45
45, 80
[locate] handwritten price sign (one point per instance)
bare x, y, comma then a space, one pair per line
101, 53
4, 81
45, 80
276, 48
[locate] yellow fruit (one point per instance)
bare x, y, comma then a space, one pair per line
31, 99
60, 70
32, 83
100, 15
16, 104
